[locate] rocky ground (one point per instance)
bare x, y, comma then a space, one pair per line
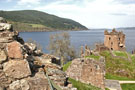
24, 67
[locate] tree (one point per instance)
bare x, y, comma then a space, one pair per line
60, 46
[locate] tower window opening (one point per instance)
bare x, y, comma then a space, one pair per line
109, 38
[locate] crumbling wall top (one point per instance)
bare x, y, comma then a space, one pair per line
114, 32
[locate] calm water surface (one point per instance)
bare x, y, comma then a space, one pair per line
79, 38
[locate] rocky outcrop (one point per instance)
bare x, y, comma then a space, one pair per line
88, 71
24, 67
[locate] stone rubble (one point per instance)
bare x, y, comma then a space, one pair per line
24, 67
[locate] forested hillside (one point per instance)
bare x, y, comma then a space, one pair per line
30, 20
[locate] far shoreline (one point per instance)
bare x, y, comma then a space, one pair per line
53, 30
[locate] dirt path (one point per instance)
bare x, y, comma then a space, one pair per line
122, 82
115, 84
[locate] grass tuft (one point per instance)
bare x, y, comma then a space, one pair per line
65, 67
81, 86
120, 53
128, 86
116, 77
93, 56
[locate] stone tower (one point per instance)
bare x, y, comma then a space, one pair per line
114, 40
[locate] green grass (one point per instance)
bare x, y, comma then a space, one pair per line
119, 67
81, 86
128, 86
65, 67
107, 89
93, 56
37, 25
120, 53
133, 57
116, 77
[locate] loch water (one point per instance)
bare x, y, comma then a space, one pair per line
80, 38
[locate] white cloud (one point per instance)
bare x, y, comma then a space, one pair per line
125, 1
27, 2
91, 13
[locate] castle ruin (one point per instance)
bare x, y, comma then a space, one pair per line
114, 40
88, 70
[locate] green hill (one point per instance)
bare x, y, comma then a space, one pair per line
30, 20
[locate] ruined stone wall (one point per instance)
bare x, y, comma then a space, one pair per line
19, 67
88, 71
101, 47
114, 40
85, 51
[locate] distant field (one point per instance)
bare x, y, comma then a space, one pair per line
37, 25
28, 27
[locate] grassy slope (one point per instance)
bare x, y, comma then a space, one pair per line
120, 53
41, 18
82, 86
117, 68
116, 77
65, 67
24, 27
93, 56
128, 86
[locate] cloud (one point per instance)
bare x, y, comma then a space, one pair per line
92, 13
28, 2
125, 1
87, 6
119, 14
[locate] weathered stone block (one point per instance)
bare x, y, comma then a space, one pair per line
31, 46
19, 85
6, 39
14, 50
3, 56
38, 82
17, 69
4, 81
5, 26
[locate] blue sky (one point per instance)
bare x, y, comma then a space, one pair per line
91, 13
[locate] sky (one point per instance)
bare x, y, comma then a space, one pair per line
90, 13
